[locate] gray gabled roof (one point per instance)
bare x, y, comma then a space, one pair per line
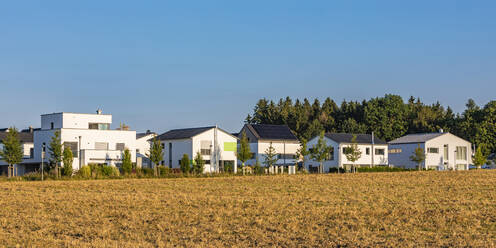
360, 138
23, 137
415, 138
187, 133
271, 132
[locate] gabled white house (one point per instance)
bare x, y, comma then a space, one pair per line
27, 164
217, 147
443, 151
261, 136
374, 151
143, 144
88, 135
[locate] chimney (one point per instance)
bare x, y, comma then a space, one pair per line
31, 129
99, 111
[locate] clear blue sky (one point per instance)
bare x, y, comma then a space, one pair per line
160, 65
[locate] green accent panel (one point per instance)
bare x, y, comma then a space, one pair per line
230, 146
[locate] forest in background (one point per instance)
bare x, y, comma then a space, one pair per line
389, 117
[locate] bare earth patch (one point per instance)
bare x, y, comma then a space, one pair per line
365, 209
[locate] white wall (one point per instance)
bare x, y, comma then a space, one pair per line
340, 158
193, 145
433, 160
87, 144
143, 144
281, 147
73, 120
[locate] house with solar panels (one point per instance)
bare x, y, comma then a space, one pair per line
262, 136
216, 146
443, 151
374, 152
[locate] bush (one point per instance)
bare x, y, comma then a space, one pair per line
381, 169
32, 176
84, 172
163, 171
148, 171
109, 171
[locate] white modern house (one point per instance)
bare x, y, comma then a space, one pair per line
374, 151
217, 147
88, 135
262, 136
143, 144
443, 151
27, 164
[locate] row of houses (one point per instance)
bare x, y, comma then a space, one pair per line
93, 141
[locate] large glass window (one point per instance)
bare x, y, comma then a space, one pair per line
379, 151
461, 152
73, 146
101, 146
99, 126
120, 146
433, 150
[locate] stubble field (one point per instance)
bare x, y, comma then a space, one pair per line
365, 209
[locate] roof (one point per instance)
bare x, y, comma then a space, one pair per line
416, 138
58, 113
141, 135
271, 132
360, 138
187, 133
23, 137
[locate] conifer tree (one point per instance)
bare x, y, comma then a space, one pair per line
156, 154
185, 168
244, 152
127, 165
67, 158
55, 148
199, 165
270, 156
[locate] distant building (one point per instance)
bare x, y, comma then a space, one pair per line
27, 164
214, 144
443, 151
143, 144
374, 151
261, 136
88, 135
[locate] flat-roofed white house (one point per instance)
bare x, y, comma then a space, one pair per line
444, 151
262, 136
88, 135
374, 151
217, 147
143, 144
27, 165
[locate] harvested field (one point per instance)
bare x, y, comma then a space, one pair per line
365, 209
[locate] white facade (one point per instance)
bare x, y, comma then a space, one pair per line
285, 150
89, 137
372, 155
174, 149
143, 145
444, 152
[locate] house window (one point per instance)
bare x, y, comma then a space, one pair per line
367, 151
73, 146
99, 126
286, 156
253, 155
93, 126
205, 151
446, 153
379, 151
163, 146
330, 156
119, 146
31, 152
137, 151
395, 150
433, 150
101, 146
347, 150
461, 153
51, 125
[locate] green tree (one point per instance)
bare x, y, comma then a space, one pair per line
320, 151
302, 151
127, 165
353, 153
199, 165
55, 149
68, 158
244, 152
270, 156
185, 168
156, 154
479, 158
12, 150
418, 156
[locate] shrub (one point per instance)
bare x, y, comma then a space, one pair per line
84, 172
164, 171
185, 168
148, 171
32, 176
109, 171
381, 169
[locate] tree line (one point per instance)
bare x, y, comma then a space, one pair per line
389, 117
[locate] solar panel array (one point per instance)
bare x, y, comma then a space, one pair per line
276, 132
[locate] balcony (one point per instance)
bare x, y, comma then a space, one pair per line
101, 156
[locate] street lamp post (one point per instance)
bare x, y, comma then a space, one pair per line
42, 158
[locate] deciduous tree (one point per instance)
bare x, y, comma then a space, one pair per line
12, 150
